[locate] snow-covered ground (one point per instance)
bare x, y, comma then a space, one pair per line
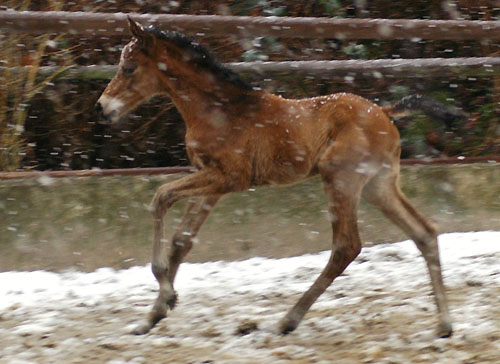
379, 311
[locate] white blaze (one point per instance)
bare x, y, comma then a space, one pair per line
110, 104
111, 107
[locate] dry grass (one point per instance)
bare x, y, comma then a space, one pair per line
22, 56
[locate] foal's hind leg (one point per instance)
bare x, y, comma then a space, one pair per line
182, 241
384, 192
343, 188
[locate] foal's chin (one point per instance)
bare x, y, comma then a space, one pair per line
114, 117
103, 120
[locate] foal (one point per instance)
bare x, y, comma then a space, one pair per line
238, 137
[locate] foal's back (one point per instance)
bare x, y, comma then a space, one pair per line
290, 137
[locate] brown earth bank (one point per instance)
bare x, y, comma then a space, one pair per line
89, 223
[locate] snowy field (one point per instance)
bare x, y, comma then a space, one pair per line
379, 311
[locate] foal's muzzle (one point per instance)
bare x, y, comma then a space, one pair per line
108, 118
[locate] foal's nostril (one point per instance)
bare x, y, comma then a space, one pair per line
98, 108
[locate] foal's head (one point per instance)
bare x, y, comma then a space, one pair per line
161, 62
137, 79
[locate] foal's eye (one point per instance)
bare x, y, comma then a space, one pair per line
129, 69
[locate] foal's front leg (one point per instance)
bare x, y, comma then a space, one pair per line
182, 241
164, 263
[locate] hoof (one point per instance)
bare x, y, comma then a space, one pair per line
142, 329
154, 318
287, 326
172, 301
444, 330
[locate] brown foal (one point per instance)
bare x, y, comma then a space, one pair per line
238, 137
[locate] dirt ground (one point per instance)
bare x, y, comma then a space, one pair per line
379, 311
387, 335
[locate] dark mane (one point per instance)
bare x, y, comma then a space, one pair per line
200, 56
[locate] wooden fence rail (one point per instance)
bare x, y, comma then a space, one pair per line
104, 24
189, 169
401, 68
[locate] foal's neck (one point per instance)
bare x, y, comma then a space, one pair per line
198, 94
196, 104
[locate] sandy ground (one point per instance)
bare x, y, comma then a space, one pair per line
379, 311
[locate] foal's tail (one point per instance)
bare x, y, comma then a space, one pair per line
434, 109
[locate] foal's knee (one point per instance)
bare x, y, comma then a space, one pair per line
160, 203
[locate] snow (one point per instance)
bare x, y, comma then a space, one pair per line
219, 295
256, 275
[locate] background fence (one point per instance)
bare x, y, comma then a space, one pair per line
53, 66
103, 24
97, 24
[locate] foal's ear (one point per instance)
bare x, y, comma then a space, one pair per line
146, 39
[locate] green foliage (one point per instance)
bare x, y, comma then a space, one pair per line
332, 7
243, 7
398, 92
246, 7
356, 51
